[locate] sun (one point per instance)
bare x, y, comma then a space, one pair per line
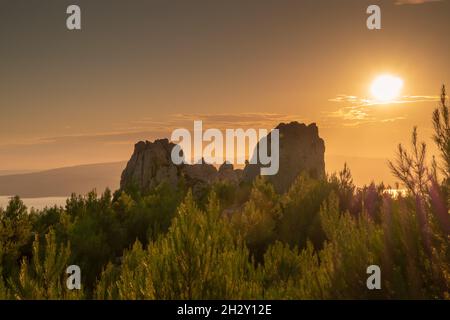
386, 88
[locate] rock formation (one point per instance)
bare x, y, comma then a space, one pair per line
151, 165
301, 150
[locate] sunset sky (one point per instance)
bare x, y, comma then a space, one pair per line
139, 69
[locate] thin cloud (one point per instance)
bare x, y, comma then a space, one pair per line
360, 110
218, 120
151, 128
241, 120
403, 2
370, 102
117, 145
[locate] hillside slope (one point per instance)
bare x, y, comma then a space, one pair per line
62, 182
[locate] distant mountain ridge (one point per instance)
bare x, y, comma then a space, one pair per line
15, 172
62, 182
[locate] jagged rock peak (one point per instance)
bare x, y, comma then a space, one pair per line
301, 150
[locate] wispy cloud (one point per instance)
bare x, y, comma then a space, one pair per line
40, 153
359, 111
217, 120
240, 120
370, 102
152, 128
402, 2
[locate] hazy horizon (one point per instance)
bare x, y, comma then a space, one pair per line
333, 164
136, 71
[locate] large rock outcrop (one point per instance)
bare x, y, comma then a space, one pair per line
151, 164
301, 150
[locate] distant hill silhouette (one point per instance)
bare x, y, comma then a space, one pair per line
62, 182
11, 172
81, 179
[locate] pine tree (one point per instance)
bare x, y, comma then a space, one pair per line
15, 234
200, 257
260, 217
290, 274
353, 245
4, 292
44, 277
106, 287
300, 221
441, 123
135, 279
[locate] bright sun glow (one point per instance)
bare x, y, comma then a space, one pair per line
386, 88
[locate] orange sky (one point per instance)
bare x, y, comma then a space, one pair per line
139, 69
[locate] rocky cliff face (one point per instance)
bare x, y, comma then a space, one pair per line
301, 149
151, 165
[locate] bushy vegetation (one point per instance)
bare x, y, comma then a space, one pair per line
313, 242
